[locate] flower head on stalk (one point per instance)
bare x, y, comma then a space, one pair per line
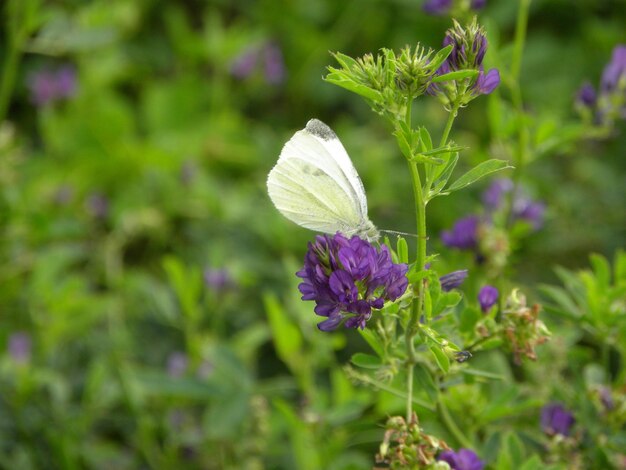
463, 235
347, 278
469, 46
603, 107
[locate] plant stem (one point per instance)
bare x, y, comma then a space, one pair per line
446, 131
518, 102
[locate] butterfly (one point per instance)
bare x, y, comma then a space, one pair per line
315, 184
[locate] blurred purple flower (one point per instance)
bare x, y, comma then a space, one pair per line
556, 420
177, 363
492, 196
271, 56
218, 280
274, 64
98, 205
615, 69
530, 211
347, 278
437, 7
487, 297
48, 86
464, 459
452, 280
63, 195
19, 347
587, 95
205, 370
524, 208
478, 4
244, 64
606, 398
463, 234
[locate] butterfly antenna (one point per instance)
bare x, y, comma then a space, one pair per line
395, 232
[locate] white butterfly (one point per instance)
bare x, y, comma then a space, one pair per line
315, 184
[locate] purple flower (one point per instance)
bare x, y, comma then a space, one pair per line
452, 280
586, 95
530, 211
492, 197
486, 83
244, 64
437, 7
347, 278
556, 420
615, 70
98, 205
177, 363
478, 4
463, 235
487, 297
218, 279
464, 459
19, 347
606, 398
48, 86
274, 64
269, 55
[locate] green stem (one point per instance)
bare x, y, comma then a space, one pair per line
518, 102
520, 39
446, 131
409, 389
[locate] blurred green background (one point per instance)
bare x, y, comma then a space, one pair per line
146, 277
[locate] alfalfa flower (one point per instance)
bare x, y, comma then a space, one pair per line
469, 46
555, 419
487, 297
348, 278
51, 85
464, 459
443, 7
463, 235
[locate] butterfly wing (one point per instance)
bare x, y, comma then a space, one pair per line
315, 185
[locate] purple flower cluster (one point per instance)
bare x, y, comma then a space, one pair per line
556, 420
463, 235
347, 278
469, 47
464, 459
442, 7
452, 280
524, 208
19, 347
609, 103
48, 86
269, 55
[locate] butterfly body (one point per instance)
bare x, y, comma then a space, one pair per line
315, 184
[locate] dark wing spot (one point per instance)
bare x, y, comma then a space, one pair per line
319, 129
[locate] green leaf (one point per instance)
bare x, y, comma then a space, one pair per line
374, 342
468, 319
458, 75
287, 337
402, 248
478, 172
425, 381
443, 173
366, 361
442, 360
602, 270
425, 140
405, 146
341, 80
420, 157
533, 463
440, 57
